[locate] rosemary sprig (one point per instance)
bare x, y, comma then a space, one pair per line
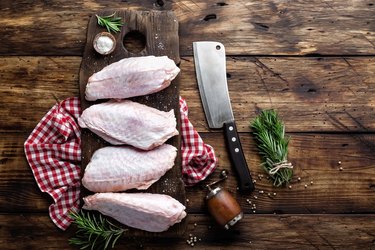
94, 232
110, 22
269, 133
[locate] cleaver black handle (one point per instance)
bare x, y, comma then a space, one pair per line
245, 182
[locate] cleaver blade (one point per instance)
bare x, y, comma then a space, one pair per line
210, 68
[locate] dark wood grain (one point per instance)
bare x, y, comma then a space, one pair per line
316, 158
34, 231
160, 29
313, 61
246, 28
311, 94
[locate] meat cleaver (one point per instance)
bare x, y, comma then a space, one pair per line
210, 67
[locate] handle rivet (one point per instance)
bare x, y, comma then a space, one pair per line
234, 139
236, 150
230, 128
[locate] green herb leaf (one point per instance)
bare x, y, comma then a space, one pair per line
111, 23
94, 232
269, 132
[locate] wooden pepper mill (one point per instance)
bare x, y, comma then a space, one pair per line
222, 205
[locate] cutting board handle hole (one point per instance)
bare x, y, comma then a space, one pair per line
134, 41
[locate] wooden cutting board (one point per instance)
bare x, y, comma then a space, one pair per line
160, 30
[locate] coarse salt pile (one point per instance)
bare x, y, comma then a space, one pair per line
104, 44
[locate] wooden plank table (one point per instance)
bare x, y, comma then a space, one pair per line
312, 61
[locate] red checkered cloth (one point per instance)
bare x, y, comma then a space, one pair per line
198, 158
54, 154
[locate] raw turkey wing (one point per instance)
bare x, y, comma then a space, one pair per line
114, 169
134, 76
132, 123
149, 212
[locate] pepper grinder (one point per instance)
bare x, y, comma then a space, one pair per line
222, 205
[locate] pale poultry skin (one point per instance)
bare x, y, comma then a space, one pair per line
121, 168
145, 211
129, 77
126, 122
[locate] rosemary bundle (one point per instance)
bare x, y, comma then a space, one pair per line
111, 23
269, 133
93, 232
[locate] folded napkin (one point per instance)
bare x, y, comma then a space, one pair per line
54, 155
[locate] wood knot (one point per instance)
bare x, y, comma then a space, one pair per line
160, 3
261, 26
209, 17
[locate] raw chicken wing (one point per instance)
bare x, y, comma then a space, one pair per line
114, 169
132, 123
134, 76
149, 212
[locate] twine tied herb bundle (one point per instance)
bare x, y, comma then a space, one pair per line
269, 132
93, 232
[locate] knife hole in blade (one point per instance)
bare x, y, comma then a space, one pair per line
134, 41
218, 47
